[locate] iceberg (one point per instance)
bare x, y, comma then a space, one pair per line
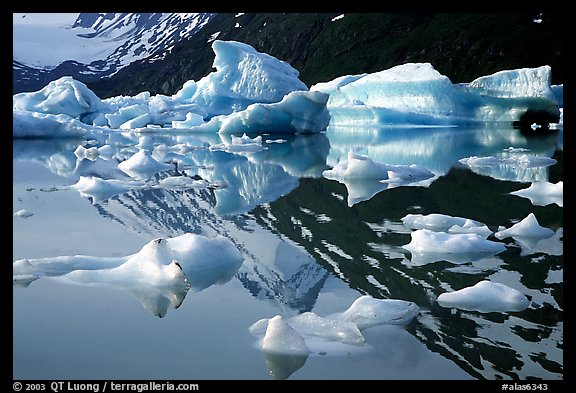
486, 296
445, 223
416, 94
527, 232
253, 92
427, 246
249, 91
159, 274
309, 333
364, 177
543, 193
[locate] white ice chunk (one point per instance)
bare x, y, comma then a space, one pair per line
308, 323
62, 96
444, 223
427, 241
281, 338
543, 193
527, 228
367, 312
23, 213
142, 166
485, 296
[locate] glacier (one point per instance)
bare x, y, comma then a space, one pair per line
253, 92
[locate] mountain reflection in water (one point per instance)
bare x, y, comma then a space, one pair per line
278, 195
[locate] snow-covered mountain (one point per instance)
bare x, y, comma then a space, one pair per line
89, 46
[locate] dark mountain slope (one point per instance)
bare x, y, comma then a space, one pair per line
462, 46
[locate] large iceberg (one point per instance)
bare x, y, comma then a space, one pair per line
249, 91
254, 92
417, 94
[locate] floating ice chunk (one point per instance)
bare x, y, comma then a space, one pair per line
281, 338
406, 174
202, 258
417, 94
527, 228
367, 312
444, 223
357, 167
99, 189
182, 183
311, 324
485, 296
159, 275
23, 213
527, 232
427, 241
206, 260
93, 153
142, 166
154, 264
243, 144
360, 167
62, 96
543, 193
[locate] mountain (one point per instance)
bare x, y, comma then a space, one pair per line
323, 46
92, 45
159, 52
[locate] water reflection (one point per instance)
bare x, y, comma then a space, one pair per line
438, 149
296, 228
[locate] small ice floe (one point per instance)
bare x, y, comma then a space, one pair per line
243, 144
285, 350
100, 189
365, 177
23, 213
527, 232
280, 337
428, 246
346, 327
444, 223
182, 183
93, 153
363, 167
287, 342
142, 166
366, 312
159, 275
485, 297
543, 193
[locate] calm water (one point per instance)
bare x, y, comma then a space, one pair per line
308, 246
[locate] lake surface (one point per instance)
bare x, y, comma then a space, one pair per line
309, 244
